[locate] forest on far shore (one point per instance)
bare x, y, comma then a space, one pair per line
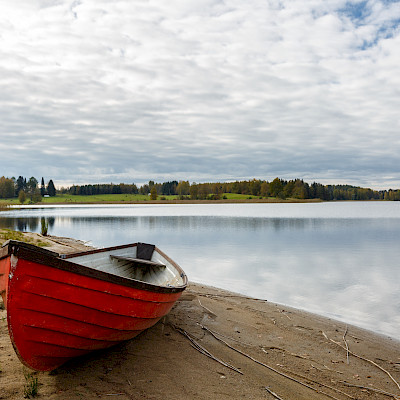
278, 188
29, 189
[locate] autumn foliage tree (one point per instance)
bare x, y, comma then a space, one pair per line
21, 197
6, 188
153, 193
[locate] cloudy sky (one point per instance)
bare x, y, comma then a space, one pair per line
202, 90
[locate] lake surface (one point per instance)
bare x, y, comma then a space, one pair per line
340, 260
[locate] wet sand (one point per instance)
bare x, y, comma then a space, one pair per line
264, 351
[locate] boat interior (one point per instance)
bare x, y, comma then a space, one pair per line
141, 262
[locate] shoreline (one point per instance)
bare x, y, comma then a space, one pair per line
177, 201
296, 354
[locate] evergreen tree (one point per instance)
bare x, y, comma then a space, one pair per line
51, 190
42, 188
144, 189
20, 184
169, 188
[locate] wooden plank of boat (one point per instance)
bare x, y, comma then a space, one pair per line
60, 307
139, 262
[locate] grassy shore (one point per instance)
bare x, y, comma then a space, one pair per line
139, 198
8, 234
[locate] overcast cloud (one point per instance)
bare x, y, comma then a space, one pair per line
200, 90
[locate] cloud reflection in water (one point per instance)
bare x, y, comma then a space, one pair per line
346, 268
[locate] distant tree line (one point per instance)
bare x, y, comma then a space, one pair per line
25, 189
283, 189
166, 188
89, 190
279, 188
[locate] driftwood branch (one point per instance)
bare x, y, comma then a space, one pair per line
230, 338
207, 309
320, 383
204, 351
211, 295
347, 347
372, 390
365, 359
284, 313
273, 394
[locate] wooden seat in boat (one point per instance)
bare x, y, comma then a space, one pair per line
140, 262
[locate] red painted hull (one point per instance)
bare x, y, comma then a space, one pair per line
55, 314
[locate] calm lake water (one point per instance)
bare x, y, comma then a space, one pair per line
340, 259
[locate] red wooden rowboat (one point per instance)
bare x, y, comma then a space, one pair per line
64, 306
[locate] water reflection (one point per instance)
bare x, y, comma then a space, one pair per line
345, 268
189, 222
31, 224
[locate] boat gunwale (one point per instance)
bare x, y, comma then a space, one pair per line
49, 258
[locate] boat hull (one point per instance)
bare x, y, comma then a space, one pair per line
55, 314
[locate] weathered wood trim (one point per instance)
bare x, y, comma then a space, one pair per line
4, 252
11, 243
94, 251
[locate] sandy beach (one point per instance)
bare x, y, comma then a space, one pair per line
219, 345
